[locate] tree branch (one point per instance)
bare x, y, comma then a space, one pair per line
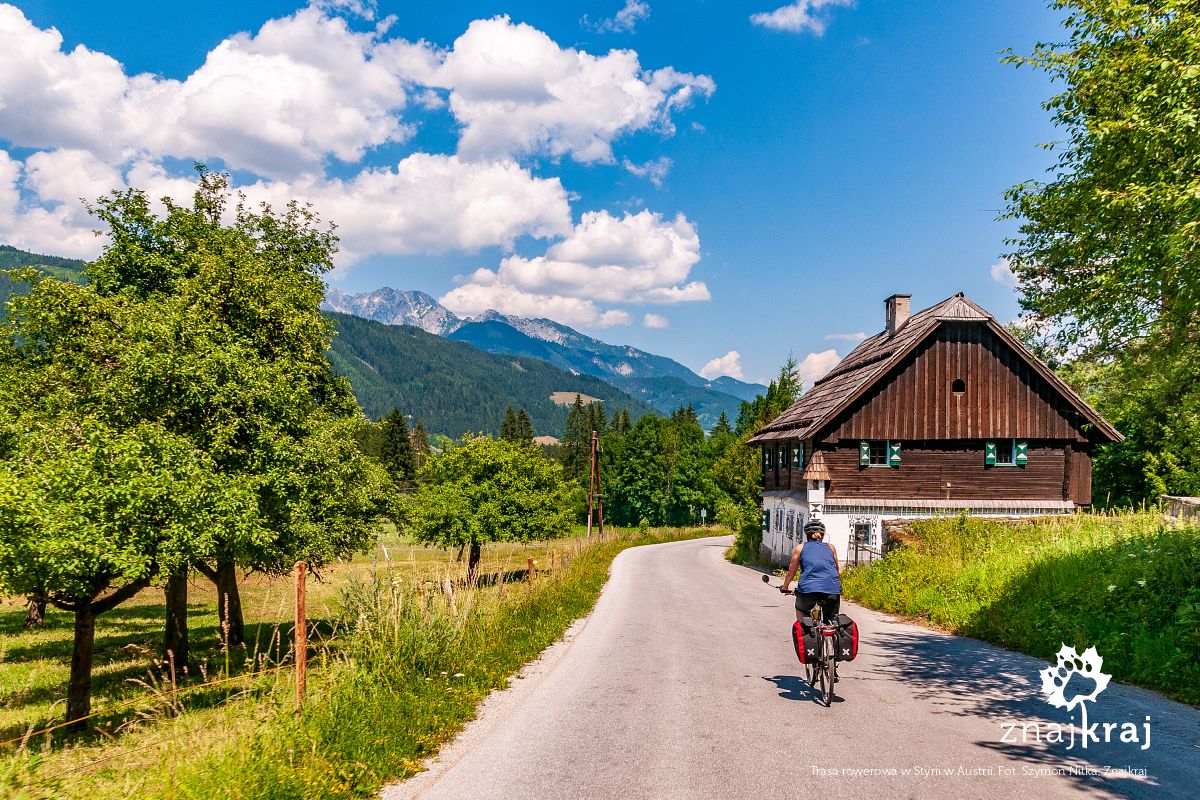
119, 596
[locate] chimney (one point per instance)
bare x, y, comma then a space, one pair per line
896, 312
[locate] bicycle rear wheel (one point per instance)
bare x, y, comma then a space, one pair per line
829, 665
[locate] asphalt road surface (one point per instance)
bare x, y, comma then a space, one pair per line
683, 684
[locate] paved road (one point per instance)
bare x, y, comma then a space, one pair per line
683, 684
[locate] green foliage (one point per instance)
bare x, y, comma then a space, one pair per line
489, 490
1125, 584
663, 475
454, 387
1106, 254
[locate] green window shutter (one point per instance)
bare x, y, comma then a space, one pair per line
893, 454
989, 454
1020, 452
864, 453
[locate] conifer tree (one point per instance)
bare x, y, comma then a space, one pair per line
396, 450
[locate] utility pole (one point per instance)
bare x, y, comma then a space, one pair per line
599, 487
592, 486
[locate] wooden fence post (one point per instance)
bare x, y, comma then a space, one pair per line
532, 571
553, 562
300, 645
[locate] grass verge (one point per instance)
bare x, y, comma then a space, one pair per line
1126, 584
401, 674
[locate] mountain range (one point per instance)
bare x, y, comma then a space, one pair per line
660, 381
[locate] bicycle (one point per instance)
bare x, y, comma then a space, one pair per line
823, 668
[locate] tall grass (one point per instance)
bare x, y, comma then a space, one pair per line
403, 669
1125, 583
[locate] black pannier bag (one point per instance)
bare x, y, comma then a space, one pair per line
804, 638
846, 645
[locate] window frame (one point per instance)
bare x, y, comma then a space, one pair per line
890, 454
1018, 452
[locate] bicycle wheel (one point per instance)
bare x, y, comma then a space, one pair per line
828, 667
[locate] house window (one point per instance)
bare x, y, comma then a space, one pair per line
785, 457
779, 519
879, 453
1006, 453
798, 456
791, 523
766, 458
766, 520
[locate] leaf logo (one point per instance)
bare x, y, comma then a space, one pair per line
1086, 664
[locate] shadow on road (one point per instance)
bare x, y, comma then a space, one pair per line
960, 676
793, 687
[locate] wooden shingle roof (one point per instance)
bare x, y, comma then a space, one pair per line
873, 357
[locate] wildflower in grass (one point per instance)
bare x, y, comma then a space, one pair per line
1112, 586
459, 675
1141, 583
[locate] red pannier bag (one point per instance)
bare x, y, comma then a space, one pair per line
804, 639
846, 646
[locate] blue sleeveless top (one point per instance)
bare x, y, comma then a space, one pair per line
818, 569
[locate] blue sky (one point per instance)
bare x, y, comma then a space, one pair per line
757, 185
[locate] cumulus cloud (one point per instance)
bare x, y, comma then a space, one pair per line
515, 91
815, 366
657, 321
277, 103
656, 170
425, 204
473, 299
729, 364
605, 260
638, 258
1002, 274
810, 16
624, 21
845, 337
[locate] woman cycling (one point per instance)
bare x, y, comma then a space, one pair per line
820, 575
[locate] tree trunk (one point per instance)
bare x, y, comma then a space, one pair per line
175, 636
35, 612
229, 604
473, 562
79, 691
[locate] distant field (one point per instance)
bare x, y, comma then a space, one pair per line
568, 398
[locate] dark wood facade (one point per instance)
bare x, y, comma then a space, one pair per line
942, 386
1002, 395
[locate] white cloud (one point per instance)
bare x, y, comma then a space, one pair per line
278, 103
729, 364
514, 91
625, 20
845, 337
605, 260
473, 299
431, 204
656, 170
815, 366
1002, 274
425, 204
637, 258
656, 321
803, 15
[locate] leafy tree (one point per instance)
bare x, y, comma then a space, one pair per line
420, 441
1106, 252
96, 500
489, 490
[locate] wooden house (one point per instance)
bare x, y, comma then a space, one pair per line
943, 411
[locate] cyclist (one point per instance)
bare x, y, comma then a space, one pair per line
820, 574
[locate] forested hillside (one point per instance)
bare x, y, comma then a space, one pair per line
454, 387
69, 269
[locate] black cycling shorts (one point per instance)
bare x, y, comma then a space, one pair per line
831, 604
